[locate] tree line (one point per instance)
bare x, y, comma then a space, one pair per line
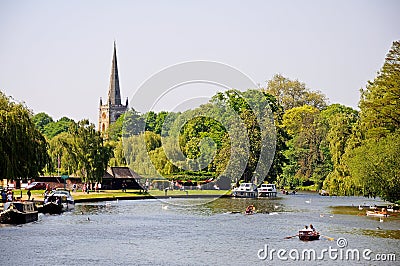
306, 140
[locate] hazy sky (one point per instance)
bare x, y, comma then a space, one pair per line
56, 55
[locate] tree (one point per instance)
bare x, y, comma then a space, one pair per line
133, 123
82, 151
373, 163
340, 126
23, 149
304, 154
114, 131
150, 120
41, 120
293, 93
52, 129
380, 101
375, 167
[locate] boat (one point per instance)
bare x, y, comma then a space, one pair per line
245, 190
50, 207
250, 210
18, 212
308, 235
323, 192
377, 213
67, 201
267, 190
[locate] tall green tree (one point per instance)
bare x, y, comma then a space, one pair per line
374, 165
293, 93
23, 149
303, 151
380, 101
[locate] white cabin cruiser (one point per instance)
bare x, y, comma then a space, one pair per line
267, 190
245, 190
67, 200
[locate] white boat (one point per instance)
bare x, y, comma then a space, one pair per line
377, 214
267, 190
245, 190
67, 200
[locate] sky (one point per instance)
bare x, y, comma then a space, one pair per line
56, 55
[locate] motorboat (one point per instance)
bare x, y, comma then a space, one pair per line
66, 199
51, 207
308, 235
245, 190
18, 212
267, 190
377, 213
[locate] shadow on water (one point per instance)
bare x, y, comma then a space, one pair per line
394, 234
96, 208
232, 206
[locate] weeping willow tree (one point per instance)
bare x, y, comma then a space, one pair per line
82, 151
23, 149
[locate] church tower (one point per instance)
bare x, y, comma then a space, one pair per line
112, 109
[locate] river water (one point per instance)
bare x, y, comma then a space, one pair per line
204, 232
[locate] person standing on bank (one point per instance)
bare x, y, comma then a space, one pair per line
29, 194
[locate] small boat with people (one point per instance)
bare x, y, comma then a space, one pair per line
18, 212
245, 190
377, 213
267, 190
308, 234
250, 210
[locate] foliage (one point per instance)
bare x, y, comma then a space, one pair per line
304, 152
23, 149
220, 135
293, 93
52, 129
41, 120
380, 101
365, 150
375, 165
81, 151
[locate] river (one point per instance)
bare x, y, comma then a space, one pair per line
205, 232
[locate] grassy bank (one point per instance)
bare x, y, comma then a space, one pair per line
80, 196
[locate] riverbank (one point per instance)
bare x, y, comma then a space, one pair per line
109, 195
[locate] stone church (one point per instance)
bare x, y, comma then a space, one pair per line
113, 108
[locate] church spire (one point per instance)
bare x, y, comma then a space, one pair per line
114, 93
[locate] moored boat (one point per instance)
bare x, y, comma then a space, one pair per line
245, 190
308, 235
267, 190
18, 212
51, 208
65, 197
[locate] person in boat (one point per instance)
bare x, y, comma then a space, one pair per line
306, 228
250, 209
312, 228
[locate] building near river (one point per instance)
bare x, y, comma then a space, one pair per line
113, 108
121, 177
